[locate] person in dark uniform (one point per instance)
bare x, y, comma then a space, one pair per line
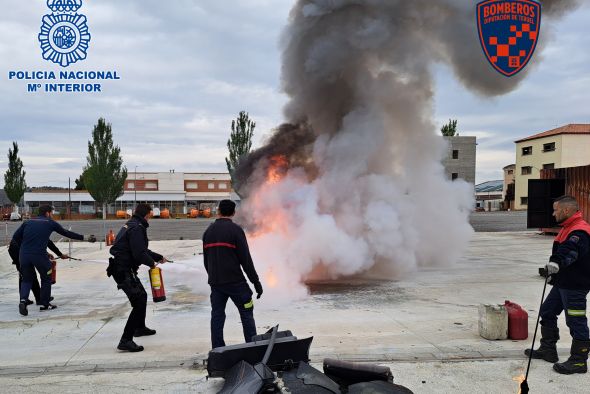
129, 251
33, 238
569, 270
225, 254
14, 251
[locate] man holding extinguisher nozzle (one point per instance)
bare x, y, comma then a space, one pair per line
33, 238
569, 274
130, 250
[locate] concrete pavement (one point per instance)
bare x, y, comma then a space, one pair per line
424, 327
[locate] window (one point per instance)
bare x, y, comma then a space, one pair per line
151, 185
527, 150
524, 201
223, 185
192, 185
527, 170
455, 154
454, 176
211, 185
549, 147
549, 166
130, 185
510, 172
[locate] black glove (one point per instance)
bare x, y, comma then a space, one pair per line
258, 288
90, 238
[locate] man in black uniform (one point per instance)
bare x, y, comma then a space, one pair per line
569, 270
225, 252
14, 251
129, 251
33, 237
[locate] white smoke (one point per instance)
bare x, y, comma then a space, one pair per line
365, 191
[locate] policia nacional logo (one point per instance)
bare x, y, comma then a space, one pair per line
64, 34
508, 32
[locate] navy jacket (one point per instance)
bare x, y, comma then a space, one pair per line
225, 252
14, 251
571, 251
131, 245
33, 235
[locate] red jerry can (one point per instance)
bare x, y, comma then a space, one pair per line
157, 283
518, 321
53, 271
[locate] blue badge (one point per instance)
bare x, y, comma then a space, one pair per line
64, 34
508, 32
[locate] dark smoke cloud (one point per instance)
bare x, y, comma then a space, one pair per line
359, 77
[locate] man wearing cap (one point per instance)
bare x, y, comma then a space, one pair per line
226, 253
33, 237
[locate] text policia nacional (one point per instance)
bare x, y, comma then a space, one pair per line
66, 79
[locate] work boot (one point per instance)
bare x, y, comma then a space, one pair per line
548, 349
39, 302
22, 308
142, 332
48, 307
577, 361
129, 346
30, 302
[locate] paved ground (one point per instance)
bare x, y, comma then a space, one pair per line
425, 327
174, 229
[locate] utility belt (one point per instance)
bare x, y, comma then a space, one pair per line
117, 269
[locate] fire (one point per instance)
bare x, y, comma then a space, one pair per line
519, 379
270, 220
278, 166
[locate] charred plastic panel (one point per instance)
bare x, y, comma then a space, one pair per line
541, 194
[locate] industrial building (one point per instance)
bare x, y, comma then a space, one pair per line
176, 192
565, 146
460, 159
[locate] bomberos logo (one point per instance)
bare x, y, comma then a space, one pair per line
64, 33
508, 32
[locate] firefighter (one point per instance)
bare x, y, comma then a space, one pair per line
33, 238
130, 250
569, 270
226, 253
13, 251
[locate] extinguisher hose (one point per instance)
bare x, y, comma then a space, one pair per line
536, 327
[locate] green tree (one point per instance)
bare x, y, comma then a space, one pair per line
450, 129
80, 182
239, 143
14, 178
104, 174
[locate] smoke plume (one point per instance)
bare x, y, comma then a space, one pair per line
357, 185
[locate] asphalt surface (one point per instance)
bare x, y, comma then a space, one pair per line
178, 229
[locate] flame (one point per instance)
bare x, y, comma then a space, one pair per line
270, 220
277, 168
519, 379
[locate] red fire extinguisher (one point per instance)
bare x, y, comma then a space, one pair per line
53, 271
157, 283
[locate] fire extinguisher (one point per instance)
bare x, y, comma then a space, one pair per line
53, 271
157, 283
110, 238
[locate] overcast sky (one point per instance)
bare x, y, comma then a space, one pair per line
188, 67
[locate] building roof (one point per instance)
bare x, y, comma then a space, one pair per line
4, 200
572, 128
509, 166
490, 186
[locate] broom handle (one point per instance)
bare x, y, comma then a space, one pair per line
536, 327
